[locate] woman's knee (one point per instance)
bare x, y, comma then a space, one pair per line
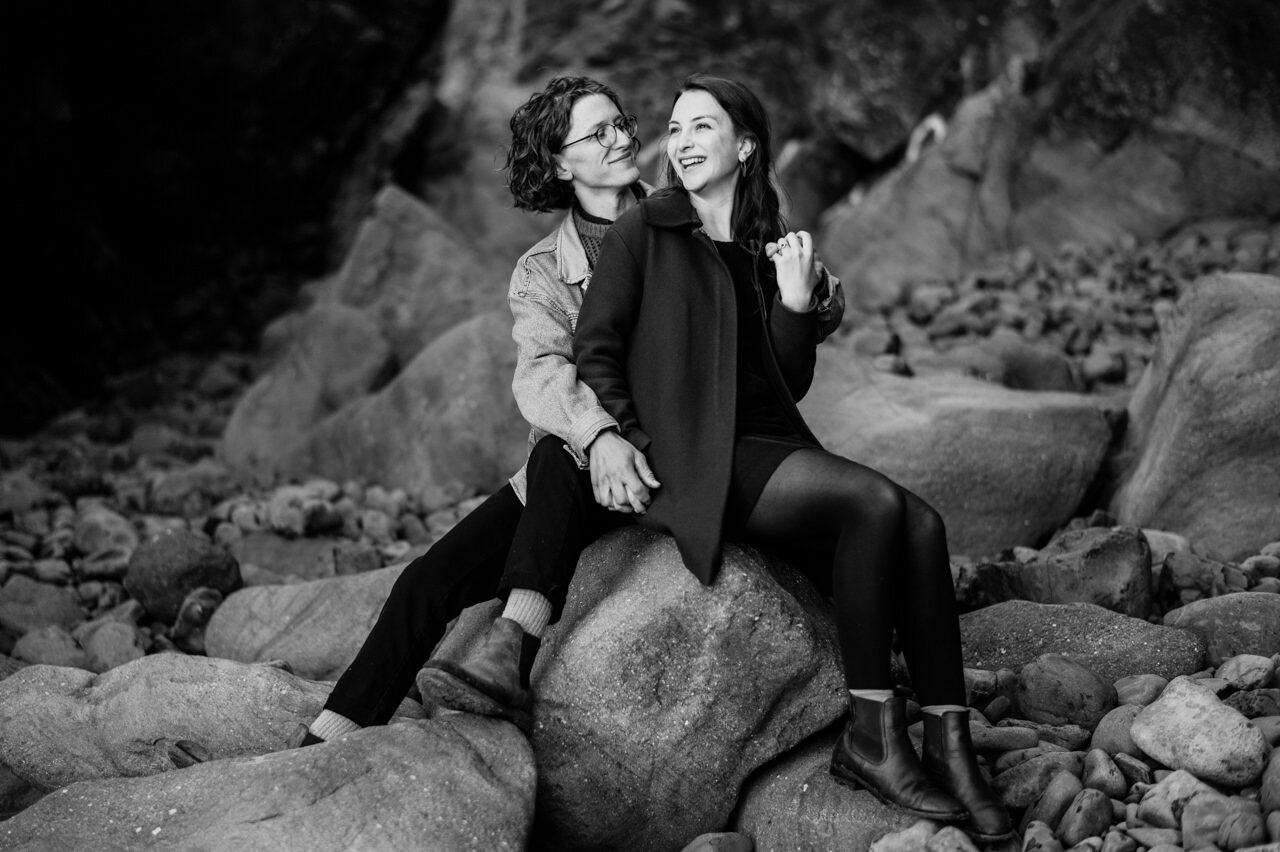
881, 503
923, 520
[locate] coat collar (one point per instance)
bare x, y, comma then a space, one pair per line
670, 209
571, 257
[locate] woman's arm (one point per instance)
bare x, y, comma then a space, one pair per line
546, 384
600, 347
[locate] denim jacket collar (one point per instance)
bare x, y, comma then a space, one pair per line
571, 257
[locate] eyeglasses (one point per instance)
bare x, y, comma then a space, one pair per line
607, 135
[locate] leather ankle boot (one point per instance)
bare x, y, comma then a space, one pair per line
875, 753
950, 760
490, 680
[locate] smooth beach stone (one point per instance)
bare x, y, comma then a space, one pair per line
1189, 728
1021, 785
26, 605
1039, 837
50, 646
1118, 841
1058, 690
950, 839
1206, 813
1162, 805
910, 839
167, 567
1088, 815
1232, 624
1140, 689
1247, 671
1112, 735
1101, 773
1050, 805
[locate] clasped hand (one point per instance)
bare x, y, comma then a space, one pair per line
796, 265
620, 474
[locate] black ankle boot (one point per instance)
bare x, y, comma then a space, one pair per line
950, 760
875, 753
491, 680
529, 647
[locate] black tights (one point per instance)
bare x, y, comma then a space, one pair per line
889, 568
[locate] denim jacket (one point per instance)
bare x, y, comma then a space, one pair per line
545, 296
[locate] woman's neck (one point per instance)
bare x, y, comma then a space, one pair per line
607, 204
716, 213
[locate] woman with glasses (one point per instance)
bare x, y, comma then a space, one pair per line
572, 148
715, 412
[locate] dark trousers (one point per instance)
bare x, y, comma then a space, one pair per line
500, 546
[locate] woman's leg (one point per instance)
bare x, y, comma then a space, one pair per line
560, 519
463, 568
891, 568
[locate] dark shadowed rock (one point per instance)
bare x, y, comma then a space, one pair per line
795, 803
59, 725
458, 783
172, 564
1057, 690
1013, 633
1110, 567
1203, 438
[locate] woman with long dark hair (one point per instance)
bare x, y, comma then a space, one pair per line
698, 336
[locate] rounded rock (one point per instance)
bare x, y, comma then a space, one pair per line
1057, 690
168, 567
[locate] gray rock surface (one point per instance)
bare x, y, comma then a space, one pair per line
1203, 434
1232, 624
1012, 634
977, 452
59, 725
447, 785
656, 697
1058, 690
795, 803
316, 627
167, 567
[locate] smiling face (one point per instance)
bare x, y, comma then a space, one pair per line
590, 166
703, 145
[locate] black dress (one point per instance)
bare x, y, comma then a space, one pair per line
763, 437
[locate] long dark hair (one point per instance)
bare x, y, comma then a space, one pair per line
538, 127
757, 215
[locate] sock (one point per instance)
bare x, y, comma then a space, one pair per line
329, 725
873, 694
531, 610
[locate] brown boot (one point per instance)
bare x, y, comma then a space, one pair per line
875, 753
950, 760
492, 680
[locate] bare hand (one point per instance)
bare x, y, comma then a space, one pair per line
796, 264
620, 474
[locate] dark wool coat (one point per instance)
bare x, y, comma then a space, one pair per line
657, 342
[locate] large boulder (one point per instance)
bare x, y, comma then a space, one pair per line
1204, 441
657, 696
1237, 623
445, 428
458, 783
316, 627
1108, 137
1110, 567
979, 453
1011, 634
59, 725
795, 803
335, 355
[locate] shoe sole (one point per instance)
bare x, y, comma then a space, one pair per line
442, 690
852, 781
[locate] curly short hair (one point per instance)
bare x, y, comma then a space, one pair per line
538, 127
